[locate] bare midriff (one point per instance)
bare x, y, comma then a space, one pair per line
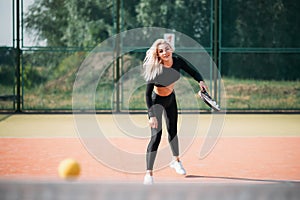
164, 91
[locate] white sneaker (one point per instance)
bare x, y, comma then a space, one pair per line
178, 167
148, 179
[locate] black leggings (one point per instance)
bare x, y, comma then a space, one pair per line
169, 105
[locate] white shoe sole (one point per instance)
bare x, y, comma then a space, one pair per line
148, 180
181, 172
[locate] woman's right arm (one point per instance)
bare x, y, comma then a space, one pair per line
152, 119
149, 102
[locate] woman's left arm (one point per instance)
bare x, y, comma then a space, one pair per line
203, 86
193, 73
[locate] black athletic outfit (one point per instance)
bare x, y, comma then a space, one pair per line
157, 104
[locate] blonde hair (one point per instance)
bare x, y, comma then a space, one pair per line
152, 64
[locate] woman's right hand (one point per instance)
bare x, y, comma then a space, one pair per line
153, 122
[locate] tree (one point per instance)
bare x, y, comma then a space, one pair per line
260, 24
189, 17
7, 65
254, 23
79, 23
47, 20
88, 22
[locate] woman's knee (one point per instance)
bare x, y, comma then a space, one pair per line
154, 142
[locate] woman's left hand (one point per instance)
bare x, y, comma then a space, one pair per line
203, 86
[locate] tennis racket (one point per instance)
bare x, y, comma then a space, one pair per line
208, 100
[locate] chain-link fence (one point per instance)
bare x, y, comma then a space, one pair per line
255, 45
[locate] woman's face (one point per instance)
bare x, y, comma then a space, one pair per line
164, 52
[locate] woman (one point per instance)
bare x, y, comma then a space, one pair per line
161, 71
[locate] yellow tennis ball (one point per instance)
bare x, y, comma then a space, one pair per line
68, 168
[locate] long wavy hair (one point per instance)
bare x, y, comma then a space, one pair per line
152, 63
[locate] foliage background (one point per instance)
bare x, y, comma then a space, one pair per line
259, 46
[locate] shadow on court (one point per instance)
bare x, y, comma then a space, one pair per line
240, 179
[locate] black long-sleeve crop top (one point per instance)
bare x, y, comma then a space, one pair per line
169, 76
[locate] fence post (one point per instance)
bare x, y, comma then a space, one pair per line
18, 56
216, 47
117, 51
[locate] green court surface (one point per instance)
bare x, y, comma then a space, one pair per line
234, 125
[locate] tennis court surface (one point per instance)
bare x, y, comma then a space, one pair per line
256, 157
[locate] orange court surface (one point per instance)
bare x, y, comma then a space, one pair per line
251, 149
